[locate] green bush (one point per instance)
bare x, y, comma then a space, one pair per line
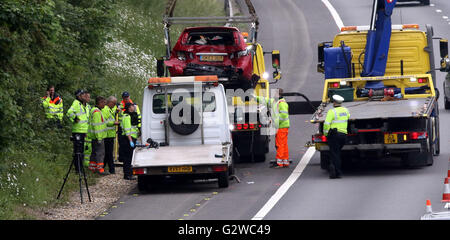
104, 46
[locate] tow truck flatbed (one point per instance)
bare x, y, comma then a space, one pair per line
184, 155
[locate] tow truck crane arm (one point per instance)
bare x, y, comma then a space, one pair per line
378, 38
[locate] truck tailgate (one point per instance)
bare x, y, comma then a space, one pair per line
178, 156
415, 107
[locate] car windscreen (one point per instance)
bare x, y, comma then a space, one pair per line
211, 38
209, 102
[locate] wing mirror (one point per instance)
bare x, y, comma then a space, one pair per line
445, 61
276, 65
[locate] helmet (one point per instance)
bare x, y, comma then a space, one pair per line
79, 92
338, 99
125, 94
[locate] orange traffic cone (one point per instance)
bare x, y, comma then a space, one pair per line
446, 195
429, 209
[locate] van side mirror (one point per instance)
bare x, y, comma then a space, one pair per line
443, 46
160, 69
276, 65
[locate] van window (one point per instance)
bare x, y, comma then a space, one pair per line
159, 105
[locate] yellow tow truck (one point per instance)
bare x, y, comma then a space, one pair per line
394, 113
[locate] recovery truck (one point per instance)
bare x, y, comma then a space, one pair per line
250, 138
386, 75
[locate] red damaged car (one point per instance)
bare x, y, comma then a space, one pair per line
218, 51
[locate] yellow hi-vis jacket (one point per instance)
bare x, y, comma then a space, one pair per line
97, 125
78, 110
336, 118
53, 108
110, 117
279, 111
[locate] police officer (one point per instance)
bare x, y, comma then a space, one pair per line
53, 105
78, 114
109, 112
123, 141
335, 128
130, 131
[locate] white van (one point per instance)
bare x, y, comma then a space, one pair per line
190, 136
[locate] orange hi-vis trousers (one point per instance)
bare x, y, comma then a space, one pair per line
281, 143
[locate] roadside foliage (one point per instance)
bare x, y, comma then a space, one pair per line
104, 46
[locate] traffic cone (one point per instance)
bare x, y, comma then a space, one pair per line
429, 209
446, 195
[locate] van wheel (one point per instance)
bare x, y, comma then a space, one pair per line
425, 2
142, 183
224, 180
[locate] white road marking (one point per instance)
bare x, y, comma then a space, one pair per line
334, 13
286, 185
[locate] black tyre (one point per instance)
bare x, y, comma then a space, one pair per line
446, 103
436, 134
431, 147
142, 183
324, 160
260, 157
183, 128
224, 179
425, 2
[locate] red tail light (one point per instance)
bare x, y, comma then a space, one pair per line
245, 126
422, 80
418, 135
334, 85
238, 126
319, 139
220, 168
139, 171
252, 126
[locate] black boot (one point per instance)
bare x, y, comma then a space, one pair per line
332, 171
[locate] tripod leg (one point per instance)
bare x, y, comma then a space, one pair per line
85, 182
79, 176
65, 179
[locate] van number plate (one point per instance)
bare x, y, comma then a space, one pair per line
390, 138
182, 169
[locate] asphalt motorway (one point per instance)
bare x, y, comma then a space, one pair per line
381, 190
